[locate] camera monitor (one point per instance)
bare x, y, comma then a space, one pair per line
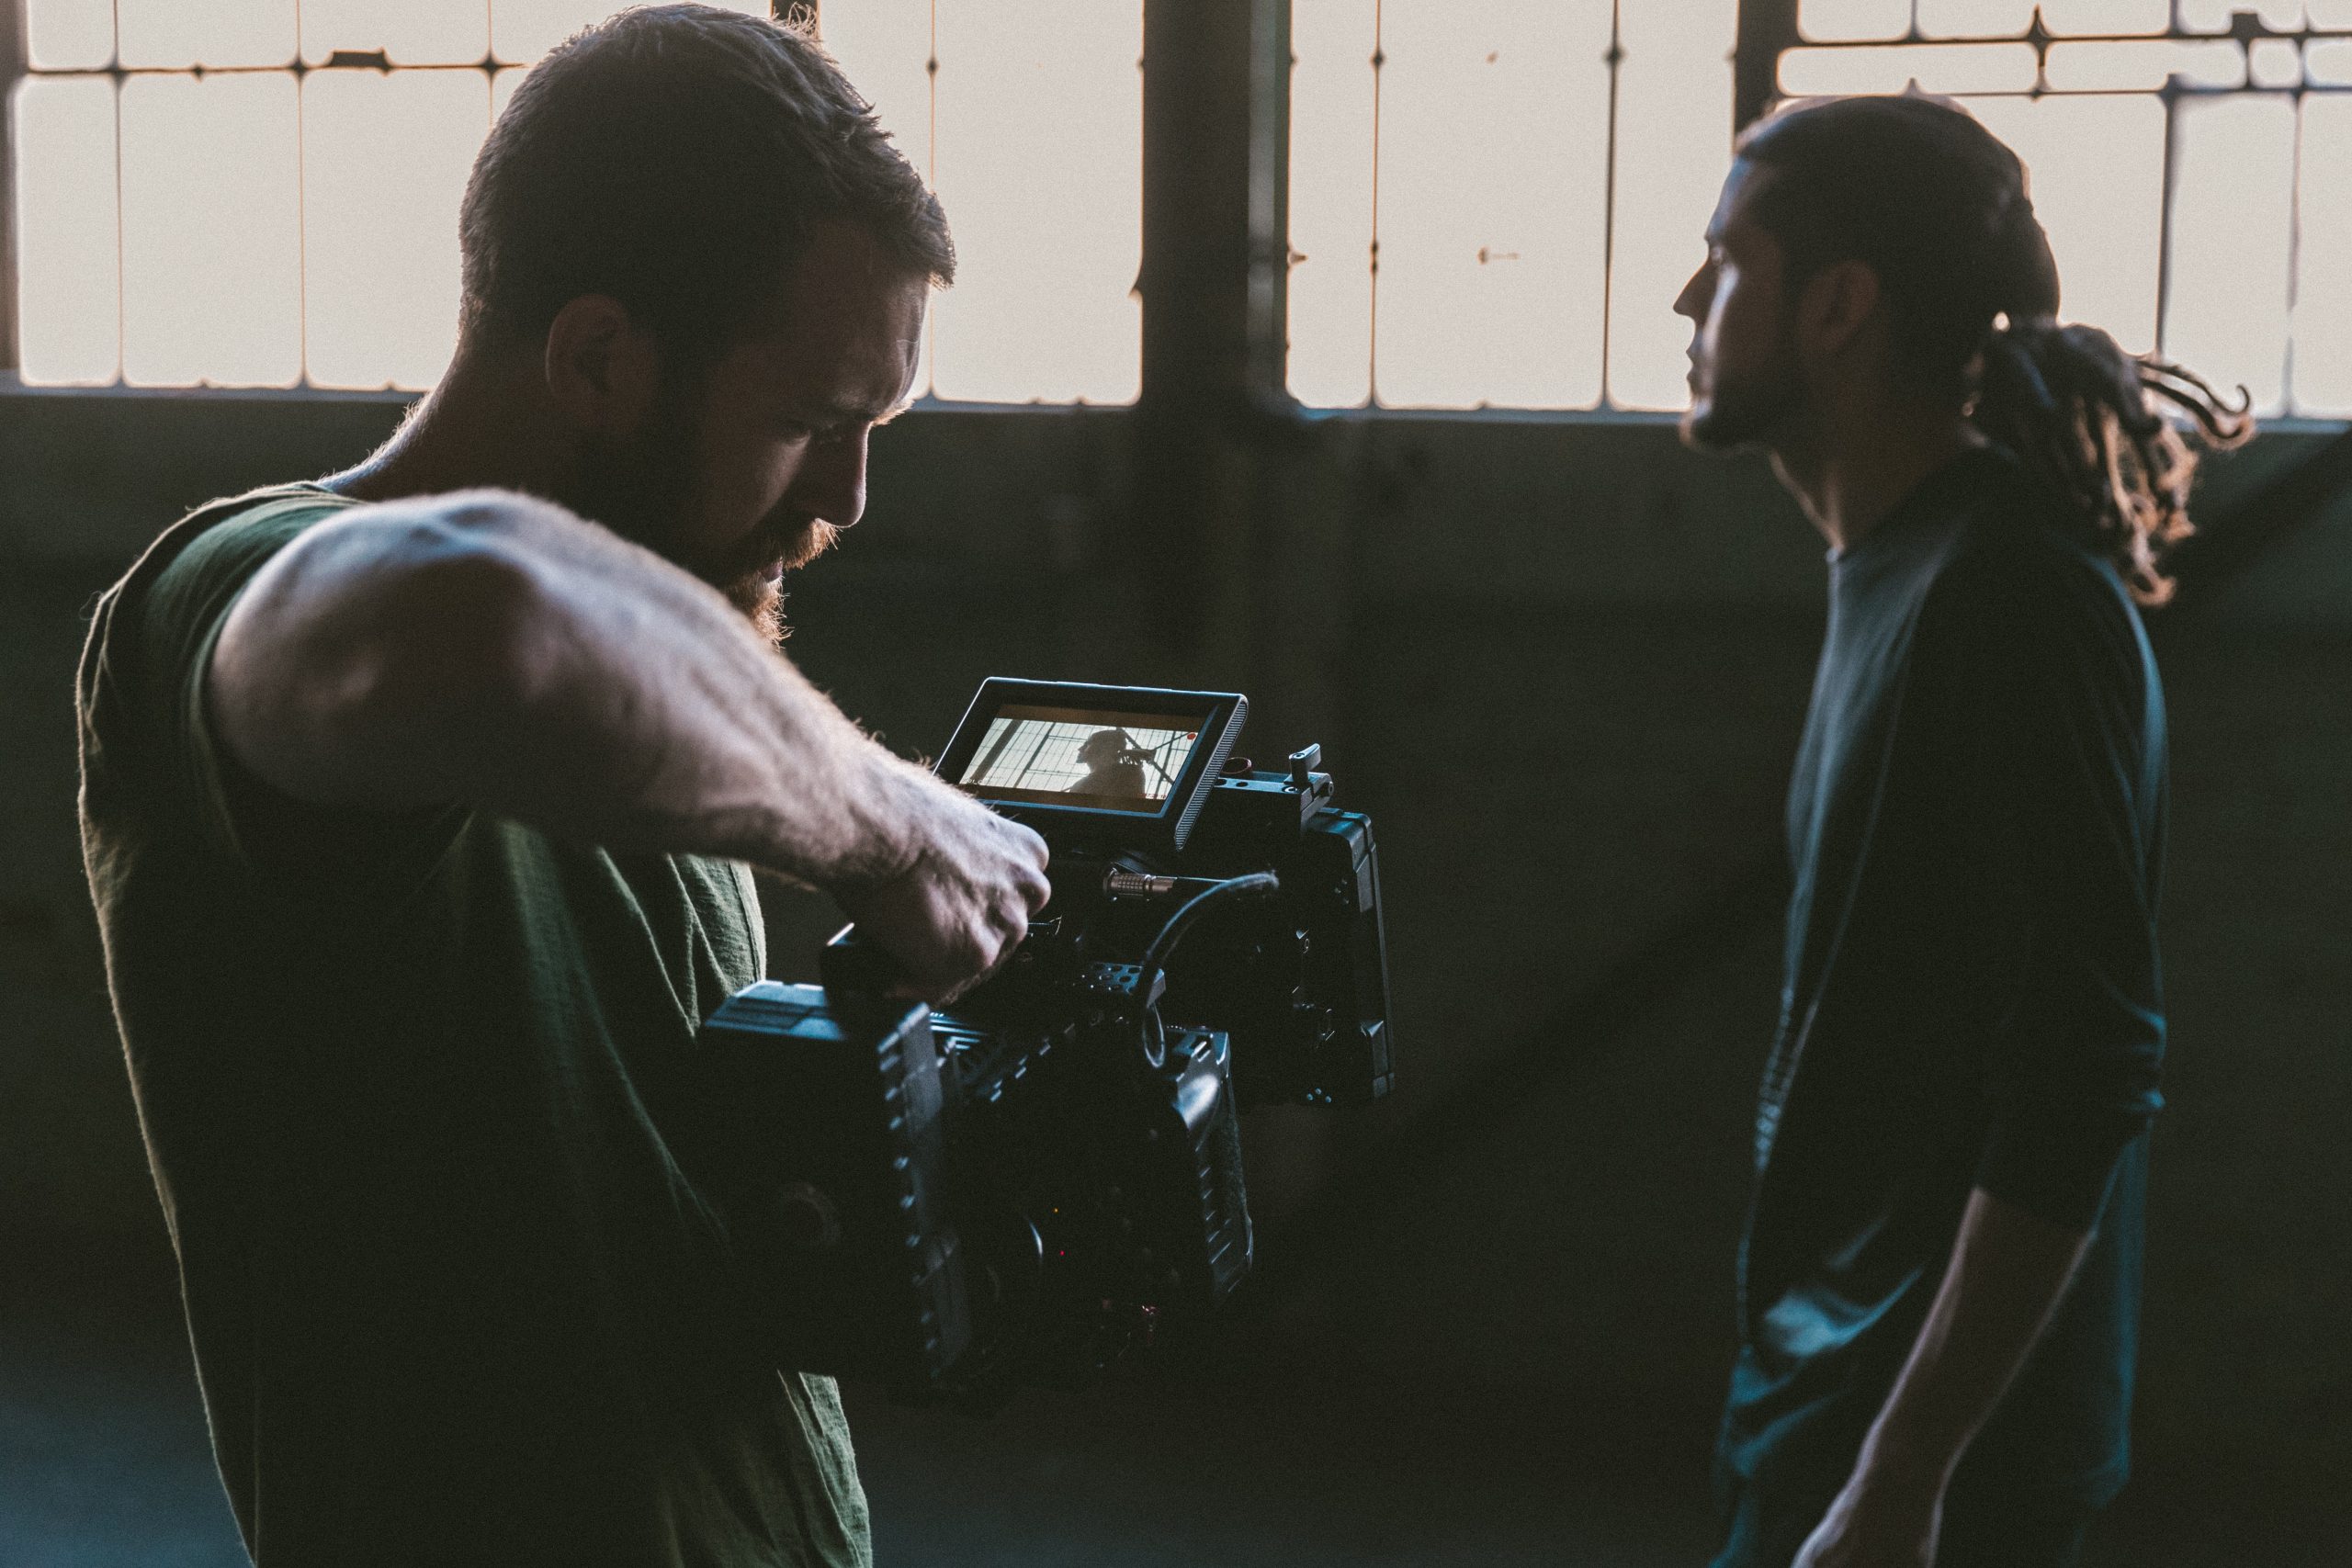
1137, 759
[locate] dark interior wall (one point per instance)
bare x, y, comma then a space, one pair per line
1563, 664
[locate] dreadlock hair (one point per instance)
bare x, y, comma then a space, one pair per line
1940, 209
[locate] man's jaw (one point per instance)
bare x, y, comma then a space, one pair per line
758, 592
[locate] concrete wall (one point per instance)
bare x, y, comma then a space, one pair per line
1563, 664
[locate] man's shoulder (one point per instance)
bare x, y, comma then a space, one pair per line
150, 632
2020, 556
2023, 591
195, 567
232, 538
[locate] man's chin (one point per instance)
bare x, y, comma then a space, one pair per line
759, 594
1711, 426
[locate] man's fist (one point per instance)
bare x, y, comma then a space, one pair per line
960, 907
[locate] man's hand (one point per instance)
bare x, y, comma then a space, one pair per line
1873, 1524
960, 907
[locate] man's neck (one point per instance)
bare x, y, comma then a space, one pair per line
1850, 474
484, 426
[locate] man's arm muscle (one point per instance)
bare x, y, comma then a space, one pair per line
496, 651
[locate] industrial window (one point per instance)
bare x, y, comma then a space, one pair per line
264, 192
2189, 158
253, 192
1026, 115
1495, 202
1492, 202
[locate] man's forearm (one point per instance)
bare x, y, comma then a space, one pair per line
2009, 1270
496, 651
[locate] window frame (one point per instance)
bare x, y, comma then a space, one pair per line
1216, 232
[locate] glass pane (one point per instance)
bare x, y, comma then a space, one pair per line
2097, 167
522, 30
1673, 148
1831, 21
2274, 63
384, 162
175, 34
2323, 264
410, 33
1039, 163
212, 241
1492, 197
884, 48
2145, 64
1955, 68
1974, 18
2100, 16
2232, 225
69, 35
1331, 202
66, 255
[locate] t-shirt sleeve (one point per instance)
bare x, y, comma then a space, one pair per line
180, 620
235, 812
2061, 777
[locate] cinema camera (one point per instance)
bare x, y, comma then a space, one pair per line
1048, 1179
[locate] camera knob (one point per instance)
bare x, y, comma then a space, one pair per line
807, 1218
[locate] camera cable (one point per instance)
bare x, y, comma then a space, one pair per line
1153, 970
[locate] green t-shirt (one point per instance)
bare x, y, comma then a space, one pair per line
404, 1082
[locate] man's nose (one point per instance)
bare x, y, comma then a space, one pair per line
1691, 301
833, 484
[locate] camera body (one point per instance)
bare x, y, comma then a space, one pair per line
1048, 1179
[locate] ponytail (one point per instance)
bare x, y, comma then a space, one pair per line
2091, 420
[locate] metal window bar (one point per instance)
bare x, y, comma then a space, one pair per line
13, 60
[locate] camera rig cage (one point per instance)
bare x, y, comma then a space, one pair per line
1047, 1178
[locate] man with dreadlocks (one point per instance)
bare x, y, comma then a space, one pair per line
1937, 1283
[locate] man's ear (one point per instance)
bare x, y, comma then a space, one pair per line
1837, 304
604, 369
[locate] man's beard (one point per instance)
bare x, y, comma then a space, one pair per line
642, 488
1744, 407
761, 597
1744, 410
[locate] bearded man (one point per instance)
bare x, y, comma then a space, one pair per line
1937, 1285
418, 806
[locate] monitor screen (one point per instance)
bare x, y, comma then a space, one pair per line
1100, 760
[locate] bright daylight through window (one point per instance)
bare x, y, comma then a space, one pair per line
1494, 201
264, 193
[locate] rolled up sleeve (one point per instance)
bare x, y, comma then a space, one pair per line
2070, 763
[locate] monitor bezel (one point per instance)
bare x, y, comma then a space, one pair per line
1219, 714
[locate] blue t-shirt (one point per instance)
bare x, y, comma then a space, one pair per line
1970, 989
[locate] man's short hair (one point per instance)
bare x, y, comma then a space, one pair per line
676, 157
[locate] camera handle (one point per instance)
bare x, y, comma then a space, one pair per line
1153, 970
